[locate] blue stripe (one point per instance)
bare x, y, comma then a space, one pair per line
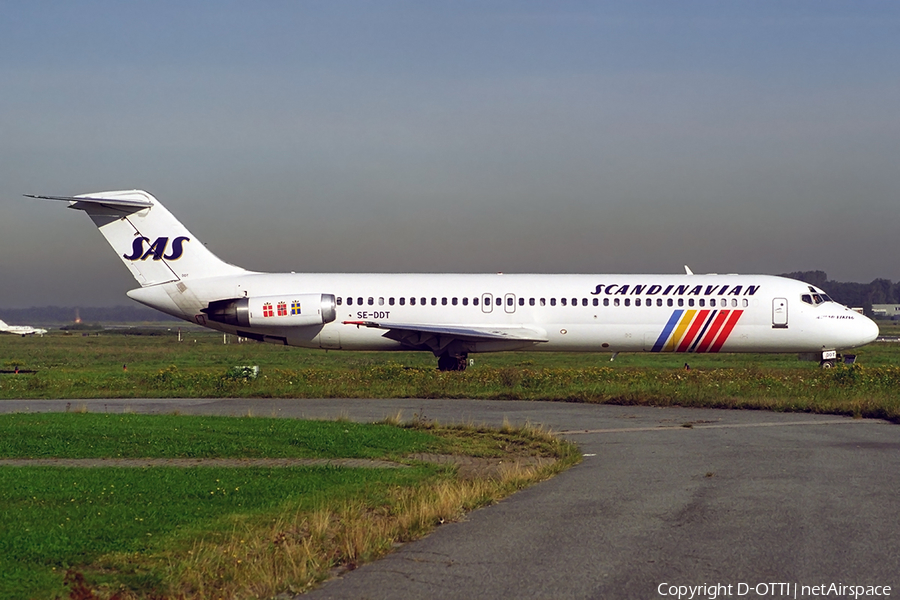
667, 331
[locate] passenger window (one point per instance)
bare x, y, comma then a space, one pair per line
681, 302
422, 301
702, 302
339, 300
596, 302
509, 301
390, 301
521, 301
465, 301
412, 301
584, 301
453, 301
543, 302
380, 301
616, 302
359, 301
606, 302
499, 301
659, 301
443, 302
690, 301
627, 301
552, 301
434, 301
669, 302
746, 303
371, 301
475, 301
734, 302
564, 301
402, 301
531, 302
637, 301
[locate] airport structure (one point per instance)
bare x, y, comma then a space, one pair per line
886, 311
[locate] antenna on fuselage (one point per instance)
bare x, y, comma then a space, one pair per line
687, 270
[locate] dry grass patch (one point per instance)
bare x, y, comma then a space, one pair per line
292, 550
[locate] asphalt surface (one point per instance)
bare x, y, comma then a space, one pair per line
762, 502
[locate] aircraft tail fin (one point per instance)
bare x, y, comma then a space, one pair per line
3, 326
152, 243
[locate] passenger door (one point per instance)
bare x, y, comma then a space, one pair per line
487, 303
509, 303
779, 313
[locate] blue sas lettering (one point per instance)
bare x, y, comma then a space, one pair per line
157, 249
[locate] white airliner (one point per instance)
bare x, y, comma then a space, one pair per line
22, 330
454, 315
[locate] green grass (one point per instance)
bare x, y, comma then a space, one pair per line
56, 518
136, 529
86, 435
159, 366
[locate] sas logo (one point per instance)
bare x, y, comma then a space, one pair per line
157, 249
697, 330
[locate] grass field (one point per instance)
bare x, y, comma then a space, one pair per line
254, 532
166, 532
109, 365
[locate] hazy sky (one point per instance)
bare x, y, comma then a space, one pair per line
756, 136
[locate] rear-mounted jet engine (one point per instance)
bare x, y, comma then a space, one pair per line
298, 310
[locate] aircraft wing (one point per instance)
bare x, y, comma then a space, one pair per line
438, 337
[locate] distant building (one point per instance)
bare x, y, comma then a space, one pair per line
886, 311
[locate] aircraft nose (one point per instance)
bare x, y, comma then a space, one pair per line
868, 331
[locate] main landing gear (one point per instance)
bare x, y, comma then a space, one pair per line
448, 362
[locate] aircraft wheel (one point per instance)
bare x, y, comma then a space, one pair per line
447, 362
827, 364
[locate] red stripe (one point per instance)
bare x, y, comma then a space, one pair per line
698, 322
713, 330
726, 331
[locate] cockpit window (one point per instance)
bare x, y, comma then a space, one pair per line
815, 299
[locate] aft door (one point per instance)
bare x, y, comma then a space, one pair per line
779, 313
487, 303
509, 303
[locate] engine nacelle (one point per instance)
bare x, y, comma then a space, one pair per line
297, 310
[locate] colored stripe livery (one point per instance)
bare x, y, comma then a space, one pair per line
697, 330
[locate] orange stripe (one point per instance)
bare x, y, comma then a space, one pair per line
679, 331
692, 332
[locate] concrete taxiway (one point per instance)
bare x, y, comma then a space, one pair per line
665, 497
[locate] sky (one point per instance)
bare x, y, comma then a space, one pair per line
551, 137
